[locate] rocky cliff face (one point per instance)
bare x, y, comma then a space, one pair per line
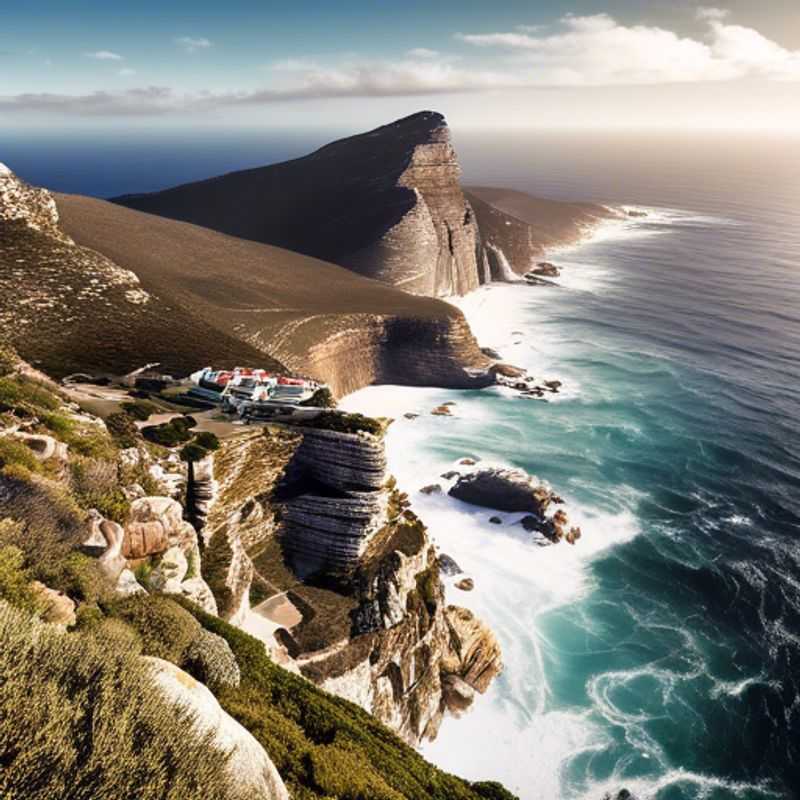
313, 526
386, 204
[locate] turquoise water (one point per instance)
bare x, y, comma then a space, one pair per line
662, 652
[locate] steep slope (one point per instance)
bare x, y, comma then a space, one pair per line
315, 317
517, 229
386, 204
68, 308
89, 285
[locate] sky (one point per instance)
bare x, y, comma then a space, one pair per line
618, 64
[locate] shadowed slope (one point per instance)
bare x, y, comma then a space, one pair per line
386, 204
315, 317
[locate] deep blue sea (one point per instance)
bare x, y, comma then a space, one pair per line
662, 652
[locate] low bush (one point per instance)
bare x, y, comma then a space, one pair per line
166, 630
210, 659
123, 430
322, 745
77, 575
13, 452
170, 434
80, 717
95, 484
140, 409
322, 398
207, 440
193, 452
214, 567
15, 579
343, 423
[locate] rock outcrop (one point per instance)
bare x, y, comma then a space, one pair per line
251, 770
504, 490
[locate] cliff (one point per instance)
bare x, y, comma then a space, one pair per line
134, 686
92, 286
339, 578
386, 204
518, 229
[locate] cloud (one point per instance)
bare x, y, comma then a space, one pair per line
104, 55
705, 12
596, 50
581, 51
422, 52
127, 72
191, 45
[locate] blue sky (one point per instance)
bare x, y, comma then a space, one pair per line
571, 64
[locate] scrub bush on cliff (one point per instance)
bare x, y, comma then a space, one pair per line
80, 717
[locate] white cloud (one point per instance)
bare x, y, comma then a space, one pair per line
706, 12
598, 51
104, 55
422, 52
191, 44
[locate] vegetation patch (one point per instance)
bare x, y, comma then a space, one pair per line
322, 745
92, 723
343, 423
215, 565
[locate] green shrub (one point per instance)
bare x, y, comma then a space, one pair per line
207, 440
59, 424
95, 484
344, 423
77, 575
166, 630
140, 409
322, 745
210, 659
193, 452
16, 453
169, 434
8, 360
322, 398
80, 717
123, 430
25, 393
15, 580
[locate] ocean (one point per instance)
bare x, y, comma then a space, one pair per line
662, 652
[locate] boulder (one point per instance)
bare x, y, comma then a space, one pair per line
43, 447
57, 608
433, 488
253, 775
466, 584
448, 565
457, 694
468, 462
554, 386
546, 269
442, 411
104, 540
495, 520
127, 584
199, 592
490, 352
170, 572
507, 371
448, 476
503, 489
155, 525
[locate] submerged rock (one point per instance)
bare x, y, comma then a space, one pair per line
433, 488
503, 489
466, 584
